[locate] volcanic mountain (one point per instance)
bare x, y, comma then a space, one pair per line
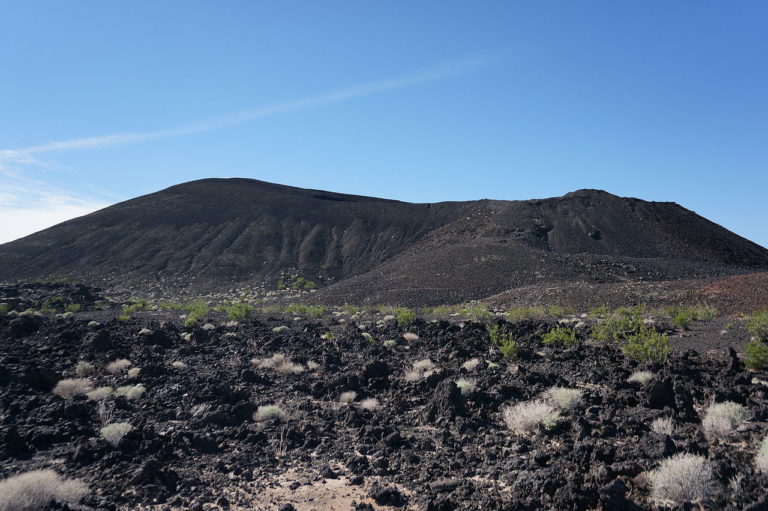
230, 233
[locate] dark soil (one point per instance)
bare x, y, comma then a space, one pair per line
428, 447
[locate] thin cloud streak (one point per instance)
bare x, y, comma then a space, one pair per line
356, 91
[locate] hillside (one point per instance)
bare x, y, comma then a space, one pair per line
225, 233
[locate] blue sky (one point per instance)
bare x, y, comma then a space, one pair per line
417, 101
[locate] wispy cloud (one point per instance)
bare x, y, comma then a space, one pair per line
441, 72
28, 205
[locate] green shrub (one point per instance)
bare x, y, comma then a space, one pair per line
599, 312
404, 316
3, 308
647, 345
124, 318
198, 310
235, 311
560, 335
170, 306
523, 313
477, 312
756, 355
682, 316
368, 337
137, 304
623, 322
72, 307
758, 325
504, 341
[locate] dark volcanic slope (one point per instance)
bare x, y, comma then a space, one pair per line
224, 232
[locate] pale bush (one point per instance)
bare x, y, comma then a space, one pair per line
131, 392
208, 327
370, 404
682, 478
471, 364
722, 418
114, 433
525, 417
133, 373
347, 397
761, 458
410, 336
271, 362
179, 366
84, 369
641, 377
118, 366
36, 489
663, 426
71, 387
389, 343
100, 394
466, 387
312, 365
280, 329
421, 369
288, 367
269, 412
145, 331
565, 398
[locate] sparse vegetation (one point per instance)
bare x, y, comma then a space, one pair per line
131, 392
371, 404
560, 335
565, 398
641, 377
622, 323
471, 364
280, 329
71, 387
526, 417
757, 325
663, 426
368, 338
310, 311
410, 337
466, 386
504, 341
118, 366
720, 419
682, 478
761, 458
179, 365
756, 354
421, 369
647, 345
197, 311
683, 316
347, 397
404, 316
100, 393
136, 305
235, 311
280, 364
36, 489
133, 373
269, 412
114, 433
84, 369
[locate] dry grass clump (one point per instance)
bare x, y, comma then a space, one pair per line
761, 458
421, 369
269, 412
526, 417
682, 478
471, 364
641, 377
410, 336
370, 404
466, 386
71, 387
133, 373
312, 365
565, 398
131, 392
279, 363
84, 369
179, 366
721, 419
347, 397
114, 433
36, 489
119, 365
663, 426
100, 393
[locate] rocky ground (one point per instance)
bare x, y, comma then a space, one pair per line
198, 442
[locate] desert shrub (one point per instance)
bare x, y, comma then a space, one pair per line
137, 304
197, 310
757, 325
410, 337
298, 309
722, 418
565, 398
466, 387
523, 313
36, 489
114, 433
133, 372
641, 377
526, 417
599, 312
404, 316
647, 345
124, 318
682, 478
663, 426
72, 307
368, 337
280, 364
269, 412
623, 322
476, 312
421, 369
179, 365
389, 343
237, 311
681, 316
3, 308
347, 397
756, 354
170, 306
280, 329
100, 393
71, 387
504, 341
312, 365
84, 369
117, 366
371, 404
471, 364
560, 335
131, 392
761, 458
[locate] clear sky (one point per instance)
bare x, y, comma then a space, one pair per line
412, 100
